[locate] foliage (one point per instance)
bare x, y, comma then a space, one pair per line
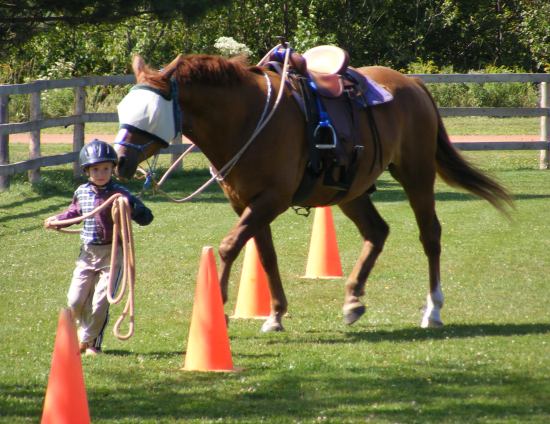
307, 33
464, 35
513, 94
58, 102
535, 31
22, 20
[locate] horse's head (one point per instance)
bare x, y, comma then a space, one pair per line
149, 117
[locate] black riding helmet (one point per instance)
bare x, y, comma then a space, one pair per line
97, 151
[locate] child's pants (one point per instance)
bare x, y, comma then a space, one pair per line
87, 295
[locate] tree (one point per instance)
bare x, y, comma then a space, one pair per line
20, 20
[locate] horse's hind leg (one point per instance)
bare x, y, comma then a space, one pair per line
419, 187
374, 231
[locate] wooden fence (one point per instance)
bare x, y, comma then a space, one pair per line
80, 117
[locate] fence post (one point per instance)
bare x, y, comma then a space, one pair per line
544, 125
78, 134
4, 142
34, 145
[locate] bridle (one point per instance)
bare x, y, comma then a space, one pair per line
139, 147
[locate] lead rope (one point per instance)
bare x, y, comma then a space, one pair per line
122, 238
226, 169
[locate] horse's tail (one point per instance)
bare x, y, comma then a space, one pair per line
458, 172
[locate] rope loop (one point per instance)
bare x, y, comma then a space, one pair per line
123, 239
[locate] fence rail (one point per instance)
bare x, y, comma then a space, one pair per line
81, 117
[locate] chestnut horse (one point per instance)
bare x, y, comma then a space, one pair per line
220, 103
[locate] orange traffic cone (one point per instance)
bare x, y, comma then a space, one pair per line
323, 260
208, 343
253, 299
66, 400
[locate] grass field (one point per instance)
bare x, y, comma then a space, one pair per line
490, 363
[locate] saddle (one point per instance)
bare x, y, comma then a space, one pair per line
330, 94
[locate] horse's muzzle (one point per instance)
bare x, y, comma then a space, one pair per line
124, 169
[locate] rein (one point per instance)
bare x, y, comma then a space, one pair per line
123, 239
219, 175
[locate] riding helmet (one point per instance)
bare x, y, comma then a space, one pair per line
97, 151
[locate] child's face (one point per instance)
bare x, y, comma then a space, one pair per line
100, 173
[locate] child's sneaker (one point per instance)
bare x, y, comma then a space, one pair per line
93, 351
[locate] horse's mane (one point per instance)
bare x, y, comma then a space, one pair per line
201, 69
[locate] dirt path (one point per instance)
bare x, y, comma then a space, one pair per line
60, 138
68, 138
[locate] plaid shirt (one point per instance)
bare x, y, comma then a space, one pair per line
98, 229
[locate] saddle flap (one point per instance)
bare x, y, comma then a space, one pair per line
326, 60
328, 85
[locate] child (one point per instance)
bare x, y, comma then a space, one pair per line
87, 295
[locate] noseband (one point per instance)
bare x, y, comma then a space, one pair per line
139, 147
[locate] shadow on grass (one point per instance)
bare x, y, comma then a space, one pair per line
452, 331
415, 334
153, 355
400, 393
50, 210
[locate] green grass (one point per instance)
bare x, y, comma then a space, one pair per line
91, 127
480, 125
490, 363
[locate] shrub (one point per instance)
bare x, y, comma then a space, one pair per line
513, 94
58, 102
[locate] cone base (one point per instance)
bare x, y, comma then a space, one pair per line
234, 369
258, 317
322, 277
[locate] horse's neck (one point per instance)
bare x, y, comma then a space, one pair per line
222, 118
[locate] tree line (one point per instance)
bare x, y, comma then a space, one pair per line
56, 39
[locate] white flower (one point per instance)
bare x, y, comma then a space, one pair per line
229, 47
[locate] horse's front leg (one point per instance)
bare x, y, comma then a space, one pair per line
268, 257
374, 231
254, 219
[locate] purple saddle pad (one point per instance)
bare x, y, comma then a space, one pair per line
373, 93
376, 94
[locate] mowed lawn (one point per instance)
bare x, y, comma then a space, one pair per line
490, 363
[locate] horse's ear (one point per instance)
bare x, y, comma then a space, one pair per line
138, 65
171, 67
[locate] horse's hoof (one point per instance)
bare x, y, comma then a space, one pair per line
271, 325
353, 312
430, 323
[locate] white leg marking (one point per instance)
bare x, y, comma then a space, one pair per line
432, 314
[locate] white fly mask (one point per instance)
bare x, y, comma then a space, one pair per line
148, 110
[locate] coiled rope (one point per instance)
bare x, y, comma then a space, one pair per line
123, 238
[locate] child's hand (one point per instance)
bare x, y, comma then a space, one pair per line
48, 223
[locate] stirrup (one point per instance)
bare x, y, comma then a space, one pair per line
324, 146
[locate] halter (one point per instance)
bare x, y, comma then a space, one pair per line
139, 147
135, 124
